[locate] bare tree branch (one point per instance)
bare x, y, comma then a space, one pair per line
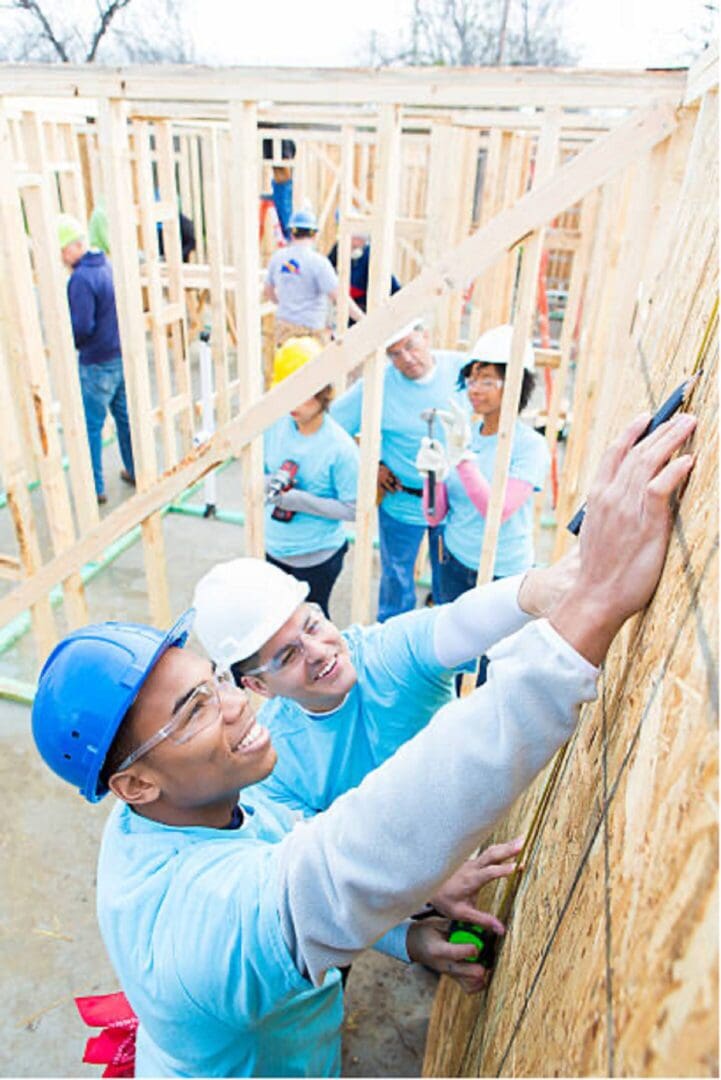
105, 19
479, 33
34, 9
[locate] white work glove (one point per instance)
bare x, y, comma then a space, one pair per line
431, 458
457, 427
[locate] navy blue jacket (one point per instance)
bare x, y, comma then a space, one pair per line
91, 297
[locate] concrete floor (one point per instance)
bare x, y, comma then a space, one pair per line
50, 949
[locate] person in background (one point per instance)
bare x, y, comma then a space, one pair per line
469, 458
227, 920
416, 379
94, 318
461, 502
99, 236
360, 252
281, 182
301, 281
311, 467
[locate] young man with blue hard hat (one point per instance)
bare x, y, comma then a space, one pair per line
417, 380
225, 919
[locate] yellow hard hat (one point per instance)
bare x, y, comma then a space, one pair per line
69, 230
293, 354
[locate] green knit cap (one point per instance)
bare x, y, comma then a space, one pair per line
69, 230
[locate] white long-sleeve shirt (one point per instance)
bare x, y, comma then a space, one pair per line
383, 848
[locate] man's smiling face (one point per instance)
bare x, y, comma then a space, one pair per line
308, 662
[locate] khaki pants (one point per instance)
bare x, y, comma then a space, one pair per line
285, 330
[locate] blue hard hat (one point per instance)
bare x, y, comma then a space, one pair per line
86, 687
303, 219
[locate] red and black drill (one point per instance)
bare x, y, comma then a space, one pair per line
283, 479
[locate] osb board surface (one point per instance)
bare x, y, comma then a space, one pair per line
610, 966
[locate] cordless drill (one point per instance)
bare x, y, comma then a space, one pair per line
282, 479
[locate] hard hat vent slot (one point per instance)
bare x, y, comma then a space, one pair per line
67, 757
75, 734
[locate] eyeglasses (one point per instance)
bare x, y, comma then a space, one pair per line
292, 650
197, 711
484, 381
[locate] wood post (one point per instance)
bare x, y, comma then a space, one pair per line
382, 235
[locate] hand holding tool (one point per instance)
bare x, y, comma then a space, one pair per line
457, 426
283, 479
429, 415
670, 406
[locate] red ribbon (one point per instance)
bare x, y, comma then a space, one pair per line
115, 1045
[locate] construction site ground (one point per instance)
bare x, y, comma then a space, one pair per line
50, 947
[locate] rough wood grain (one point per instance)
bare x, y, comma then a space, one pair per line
610, 966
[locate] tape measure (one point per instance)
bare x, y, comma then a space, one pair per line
467, 933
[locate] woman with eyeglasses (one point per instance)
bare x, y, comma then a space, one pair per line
311, 467
462, 500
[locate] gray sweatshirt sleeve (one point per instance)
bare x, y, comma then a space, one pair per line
370, 860
306, 503
466, 628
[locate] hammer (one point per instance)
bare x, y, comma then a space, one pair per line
429, 415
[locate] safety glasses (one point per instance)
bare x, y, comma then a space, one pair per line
291, 651
484, 381
198, 711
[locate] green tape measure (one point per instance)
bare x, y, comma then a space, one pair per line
466, 933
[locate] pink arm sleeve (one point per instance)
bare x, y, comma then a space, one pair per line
478, 490
441, 502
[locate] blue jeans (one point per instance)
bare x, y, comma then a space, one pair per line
103, 387
399, 543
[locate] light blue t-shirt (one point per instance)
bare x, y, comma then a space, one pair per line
400, 687
401, 426
190, 919
302, 279
465, 527
328, 467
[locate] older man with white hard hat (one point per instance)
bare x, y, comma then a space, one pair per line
417, 380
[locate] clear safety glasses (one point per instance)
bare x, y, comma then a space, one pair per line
198, 711
292, 650
484, 381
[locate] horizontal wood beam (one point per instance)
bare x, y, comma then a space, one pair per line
470, 259
448, 87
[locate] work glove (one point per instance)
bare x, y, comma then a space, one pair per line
457, 427
292, 499
431, 458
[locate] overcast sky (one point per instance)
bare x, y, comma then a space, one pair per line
606, 33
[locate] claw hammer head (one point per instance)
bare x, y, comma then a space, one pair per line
429, 415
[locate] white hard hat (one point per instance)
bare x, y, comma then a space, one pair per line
404, 331
240, 605
494, 347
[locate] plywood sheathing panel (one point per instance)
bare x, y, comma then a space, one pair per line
610, 966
